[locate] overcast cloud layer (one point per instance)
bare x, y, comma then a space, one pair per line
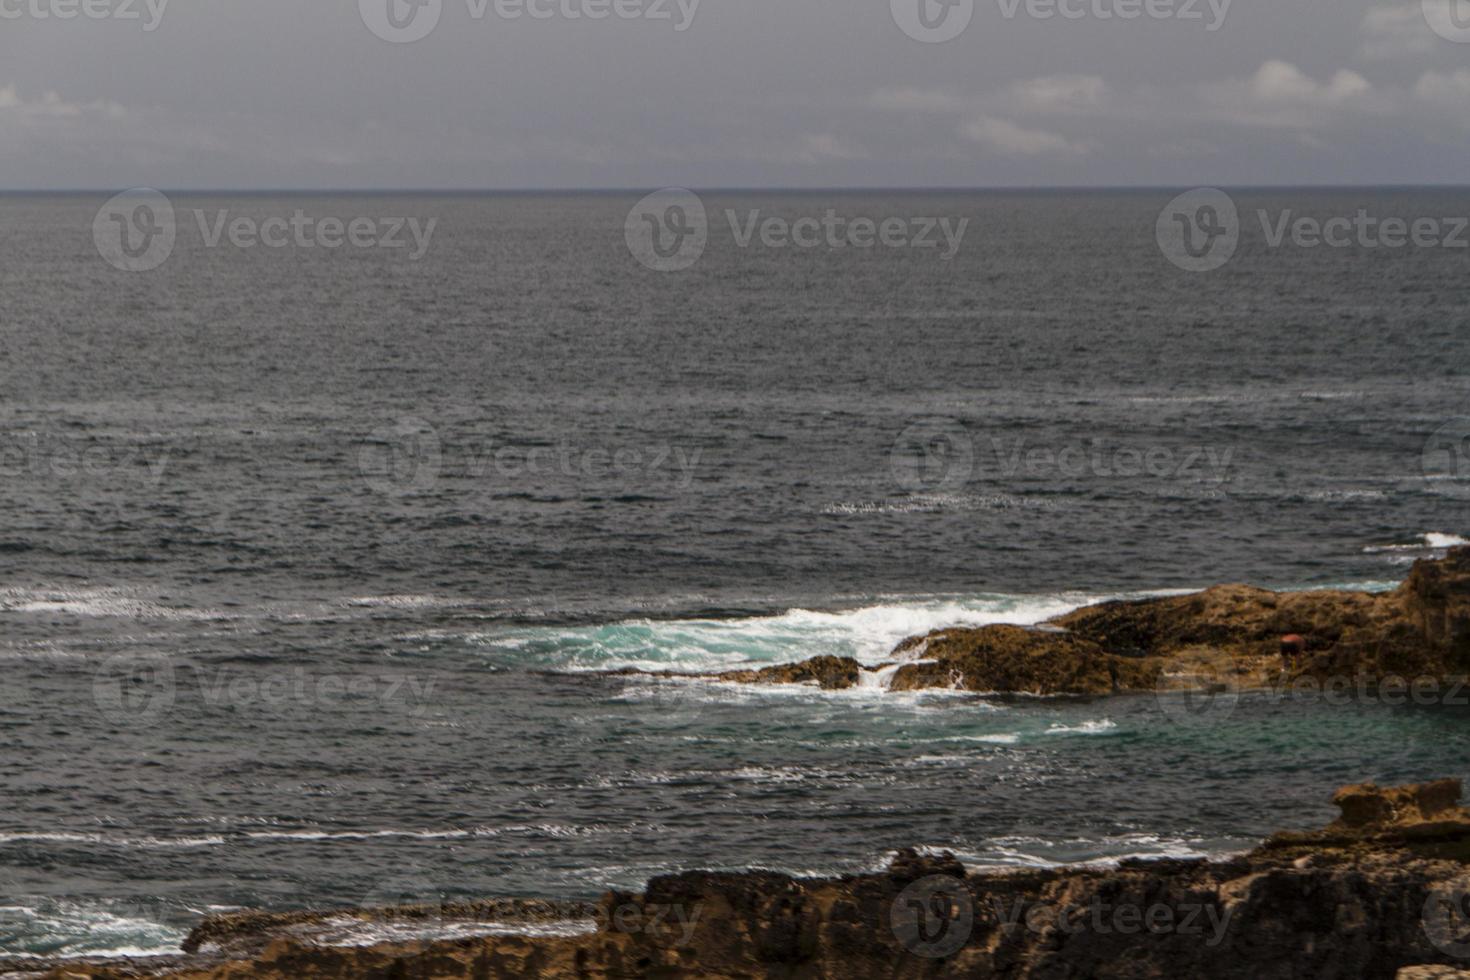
731, 93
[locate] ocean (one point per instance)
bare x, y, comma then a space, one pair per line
316, 561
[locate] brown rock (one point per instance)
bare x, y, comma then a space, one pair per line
831, 673
1227, 636
1230, 636
1349, 913
1245, 620
1017, 660
1366, 806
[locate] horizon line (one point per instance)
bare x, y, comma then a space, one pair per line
739, 189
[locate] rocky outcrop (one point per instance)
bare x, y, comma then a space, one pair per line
1244, 620
828, 673
1421, 629
1370, 896
1366, 807
1228, 637
1017, 660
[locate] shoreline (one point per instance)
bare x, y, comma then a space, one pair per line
1373, 893
1196, 652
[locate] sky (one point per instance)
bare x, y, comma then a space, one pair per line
524, 94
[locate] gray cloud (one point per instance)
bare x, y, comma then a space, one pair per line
280, 93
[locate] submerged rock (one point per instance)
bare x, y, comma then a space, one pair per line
828, 673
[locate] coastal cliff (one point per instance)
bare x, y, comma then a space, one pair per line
1379, 891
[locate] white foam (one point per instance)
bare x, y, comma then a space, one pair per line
348, 931
146, 843
105, 603
214, 840
1099, 727
1431, 541
880, 680
1000, 738
91, 929
937, 502
868, 634
403, 602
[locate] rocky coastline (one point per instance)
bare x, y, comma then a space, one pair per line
1229, 636
1384, 891
1380, 893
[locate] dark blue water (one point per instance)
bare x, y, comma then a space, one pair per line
311, 556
